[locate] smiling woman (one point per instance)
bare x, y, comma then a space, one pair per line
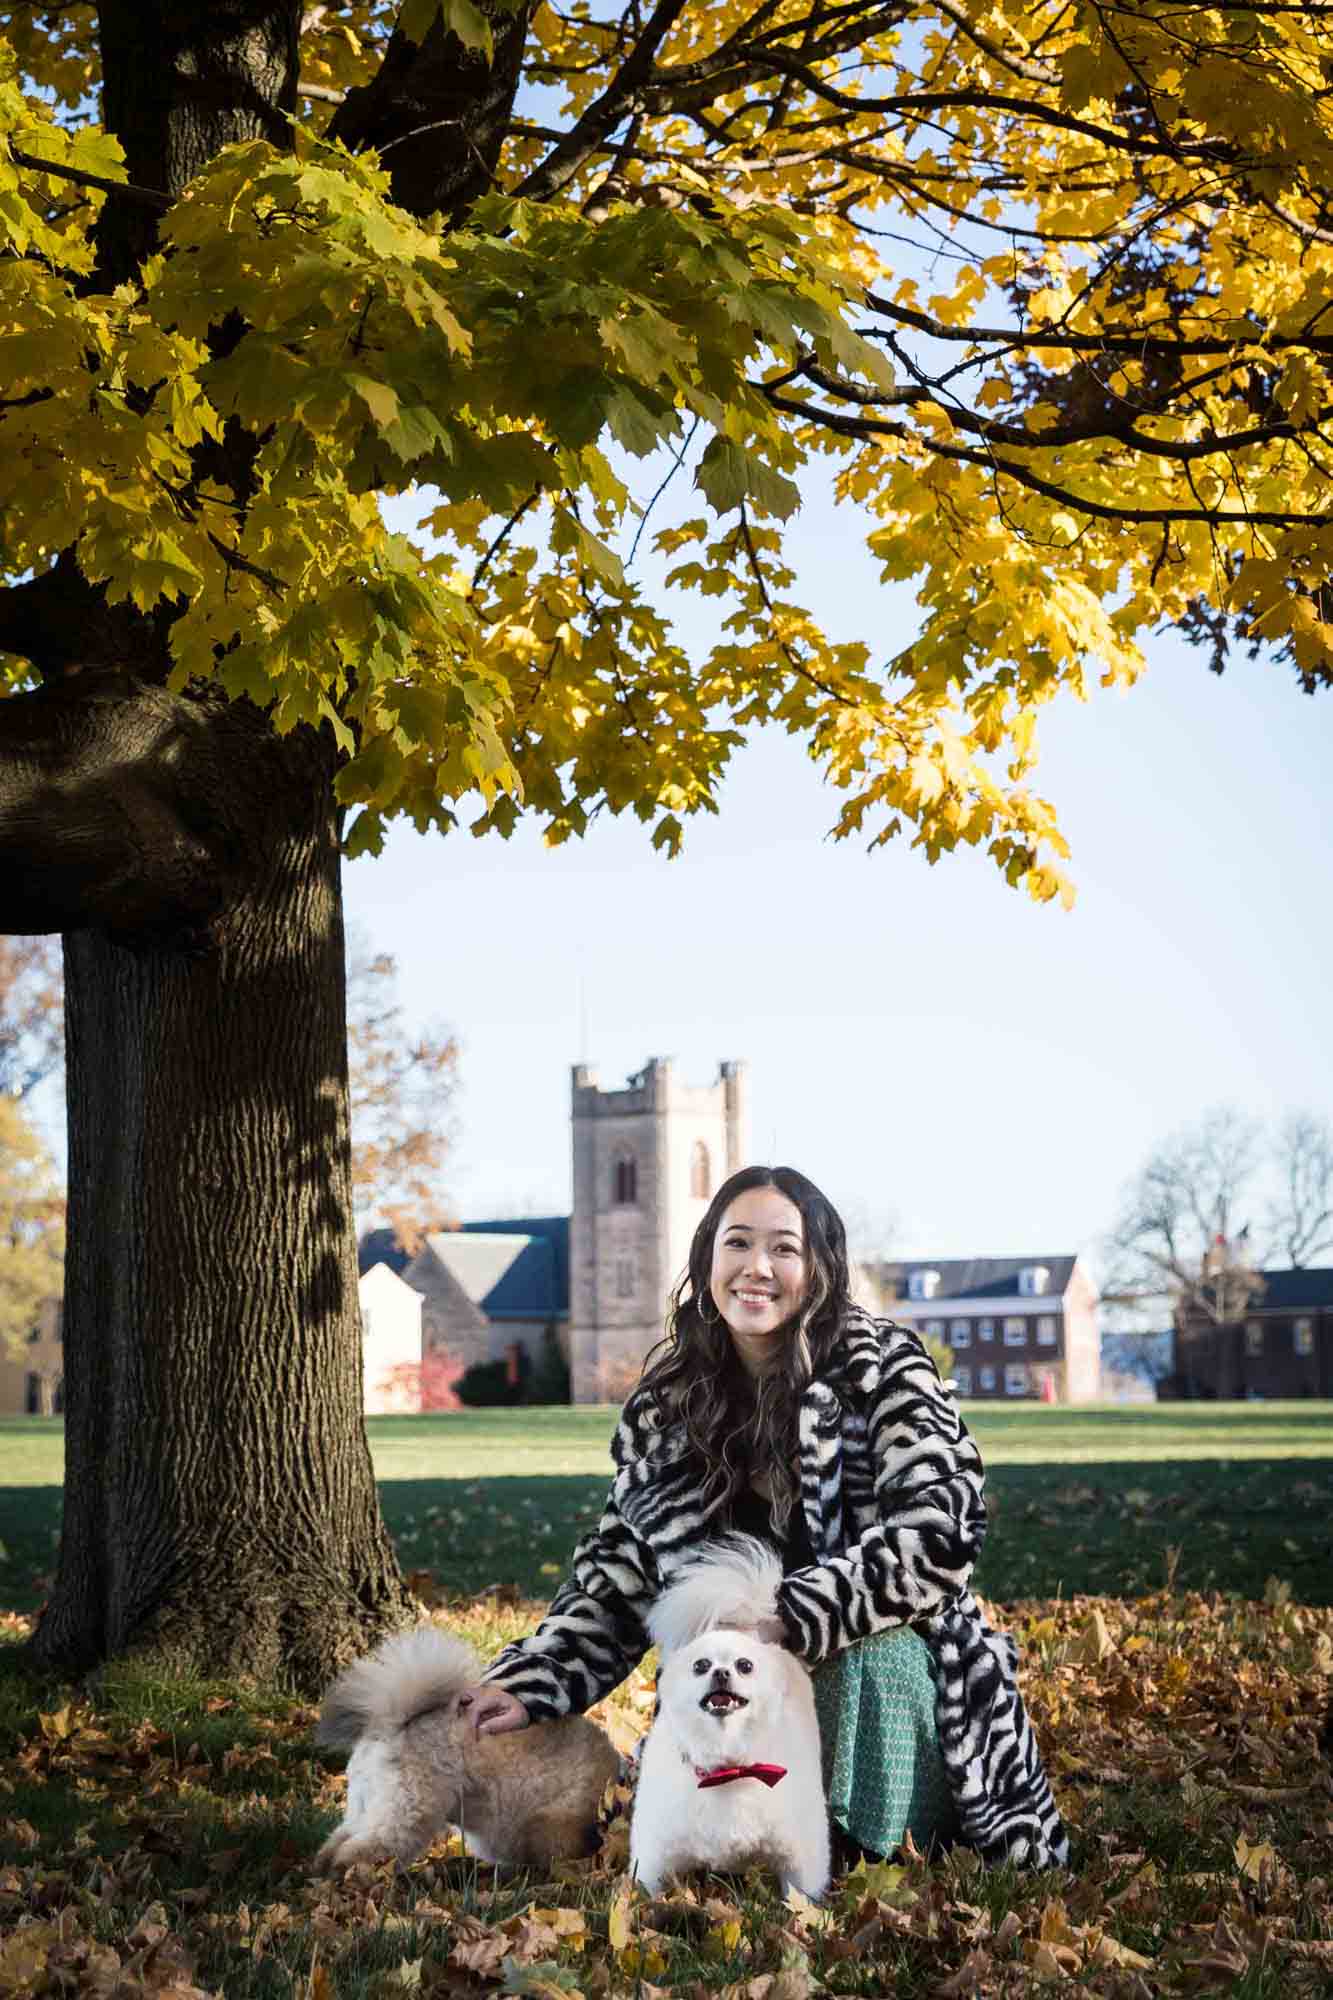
776, 1407
758, 1277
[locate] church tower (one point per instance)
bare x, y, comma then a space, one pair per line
647, 1161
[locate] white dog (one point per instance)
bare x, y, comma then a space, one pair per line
730, 1771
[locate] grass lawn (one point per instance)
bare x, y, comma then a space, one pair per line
1111, 1499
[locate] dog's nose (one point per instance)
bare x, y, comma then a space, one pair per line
721, 1675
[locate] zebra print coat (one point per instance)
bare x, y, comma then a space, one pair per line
891, 1490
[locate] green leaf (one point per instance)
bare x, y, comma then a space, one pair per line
599, 558
470, 25
634, 426
378, 397
728, 475
417, 18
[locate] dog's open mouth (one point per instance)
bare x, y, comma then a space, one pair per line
722, 1701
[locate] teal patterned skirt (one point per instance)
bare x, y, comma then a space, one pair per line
883, 1772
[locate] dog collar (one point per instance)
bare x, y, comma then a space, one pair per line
725, 1774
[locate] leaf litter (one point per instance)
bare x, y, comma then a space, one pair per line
1189, 1739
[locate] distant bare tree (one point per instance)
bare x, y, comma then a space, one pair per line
1301, 1222
872, 1231
1182, 1242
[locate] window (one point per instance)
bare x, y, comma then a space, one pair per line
922, 1284
624, 1277
1016, 1332
1046, 1331
988, 1378
625, 1183
985, 1329
1302, 1336
963, 1378
960, 1333
1016, 1378
701, 1174
1032, 1281
1254, 1337
934, 1329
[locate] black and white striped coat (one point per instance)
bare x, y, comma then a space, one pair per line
891, 1489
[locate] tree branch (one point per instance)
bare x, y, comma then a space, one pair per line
1150, 344
61, 623
870, 428
620, 97
91, 831
439, 112
149, 197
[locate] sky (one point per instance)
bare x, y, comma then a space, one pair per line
963, 1071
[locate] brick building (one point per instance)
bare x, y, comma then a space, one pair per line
32, 1377
1282, 1347
1017, 1326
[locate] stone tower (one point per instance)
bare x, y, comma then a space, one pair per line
647, 1161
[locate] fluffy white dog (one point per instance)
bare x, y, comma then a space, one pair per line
730, 1773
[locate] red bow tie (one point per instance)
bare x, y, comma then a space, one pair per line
723, 1774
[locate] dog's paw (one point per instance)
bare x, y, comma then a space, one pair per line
343, 1850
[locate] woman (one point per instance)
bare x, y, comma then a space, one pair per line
777, 1406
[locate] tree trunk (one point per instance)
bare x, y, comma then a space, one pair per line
220, 1508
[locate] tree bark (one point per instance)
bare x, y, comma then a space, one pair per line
220, 1507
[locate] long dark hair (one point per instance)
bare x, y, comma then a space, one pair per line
743, 1427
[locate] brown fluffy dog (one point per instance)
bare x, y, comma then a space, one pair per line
528, 1797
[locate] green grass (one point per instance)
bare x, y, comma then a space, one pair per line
1108, 1499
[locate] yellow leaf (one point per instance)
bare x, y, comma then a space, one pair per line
1094, 1642
1109, 1951
1254, 1861
641, 1961
723, 1938
618, 1923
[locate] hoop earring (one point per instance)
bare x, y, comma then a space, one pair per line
707, 1319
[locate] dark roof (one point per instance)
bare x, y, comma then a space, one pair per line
978, 1277
381, 1246
554, 1228
508, 1276
1294, 1291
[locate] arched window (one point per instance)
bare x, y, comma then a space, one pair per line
701, 1174
626, 1181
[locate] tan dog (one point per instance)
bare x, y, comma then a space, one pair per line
529, 1797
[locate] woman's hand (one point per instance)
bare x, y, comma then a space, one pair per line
492, 1710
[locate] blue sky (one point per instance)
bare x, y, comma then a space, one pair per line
962, 1070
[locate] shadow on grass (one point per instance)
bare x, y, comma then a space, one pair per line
1122, 1530
1118, 1529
